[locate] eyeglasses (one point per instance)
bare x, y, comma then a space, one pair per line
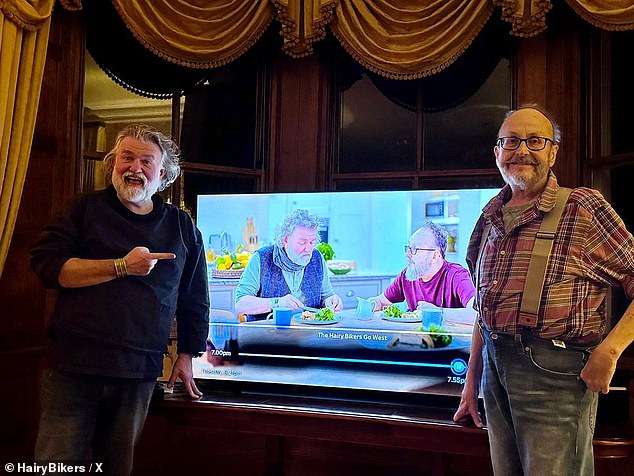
534, 143
413, 251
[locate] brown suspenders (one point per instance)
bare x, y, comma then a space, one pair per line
536, 273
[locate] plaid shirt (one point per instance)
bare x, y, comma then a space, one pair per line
592, 250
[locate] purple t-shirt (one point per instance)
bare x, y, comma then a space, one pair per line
451, 286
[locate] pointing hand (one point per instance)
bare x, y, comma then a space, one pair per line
140, 261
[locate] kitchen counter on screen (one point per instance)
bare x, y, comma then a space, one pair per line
362, 283
355, 274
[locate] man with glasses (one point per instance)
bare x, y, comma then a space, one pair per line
540, 374
428, 280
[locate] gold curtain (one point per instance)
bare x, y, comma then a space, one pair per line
606, 14
528, 17
303, 23
395, 38
196, 33
24, 28
408, 39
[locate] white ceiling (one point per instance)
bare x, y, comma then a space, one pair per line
105, 101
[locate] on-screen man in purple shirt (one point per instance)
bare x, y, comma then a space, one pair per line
428, 280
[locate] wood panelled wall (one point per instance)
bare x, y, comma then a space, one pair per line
547, 71
24, 305
298, 146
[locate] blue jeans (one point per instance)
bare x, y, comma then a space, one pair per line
91, 419
540, 414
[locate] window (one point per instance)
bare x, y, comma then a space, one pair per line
225, 127
621, 101
417, 133
611, 160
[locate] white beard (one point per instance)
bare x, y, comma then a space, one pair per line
130, 193
524, 180
296, 258
415, 271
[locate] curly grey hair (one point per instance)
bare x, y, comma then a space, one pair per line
299, 217
144, 133
547, 115
437, 232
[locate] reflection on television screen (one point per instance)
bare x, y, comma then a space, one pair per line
382, 351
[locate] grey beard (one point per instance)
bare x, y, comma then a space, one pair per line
414, 272
130, 194
295, 258
525, 181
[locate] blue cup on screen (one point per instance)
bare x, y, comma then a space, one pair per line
432, 316
281, 317
364, 309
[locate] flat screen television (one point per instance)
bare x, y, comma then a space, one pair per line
368, 357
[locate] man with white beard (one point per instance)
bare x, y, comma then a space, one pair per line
429, 280
124, 263
291, 273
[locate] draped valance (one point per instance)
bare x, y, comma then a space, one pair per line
196, 33
528, 17
27, 15
408, 39
395, 38
606, 14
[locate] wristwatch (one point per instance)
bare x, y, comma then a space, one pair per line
274, 302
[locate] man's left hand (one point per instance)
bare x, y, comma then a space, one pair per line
183, 370
334, 303
598, 371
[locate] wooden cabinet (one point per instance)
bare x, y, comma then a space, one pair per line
349, 288
222, 294
280, 435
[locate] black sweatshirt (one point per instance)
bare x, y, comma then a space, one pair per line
120, 328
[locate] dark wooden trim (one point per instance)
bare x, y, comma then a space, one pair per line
617, 159
262, 121
404, 427
220, 169
98, 156
34, 352
327, 125
413, 174
596, 55
176, 118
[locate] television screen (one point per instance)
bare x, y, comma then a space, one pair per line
391, 352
